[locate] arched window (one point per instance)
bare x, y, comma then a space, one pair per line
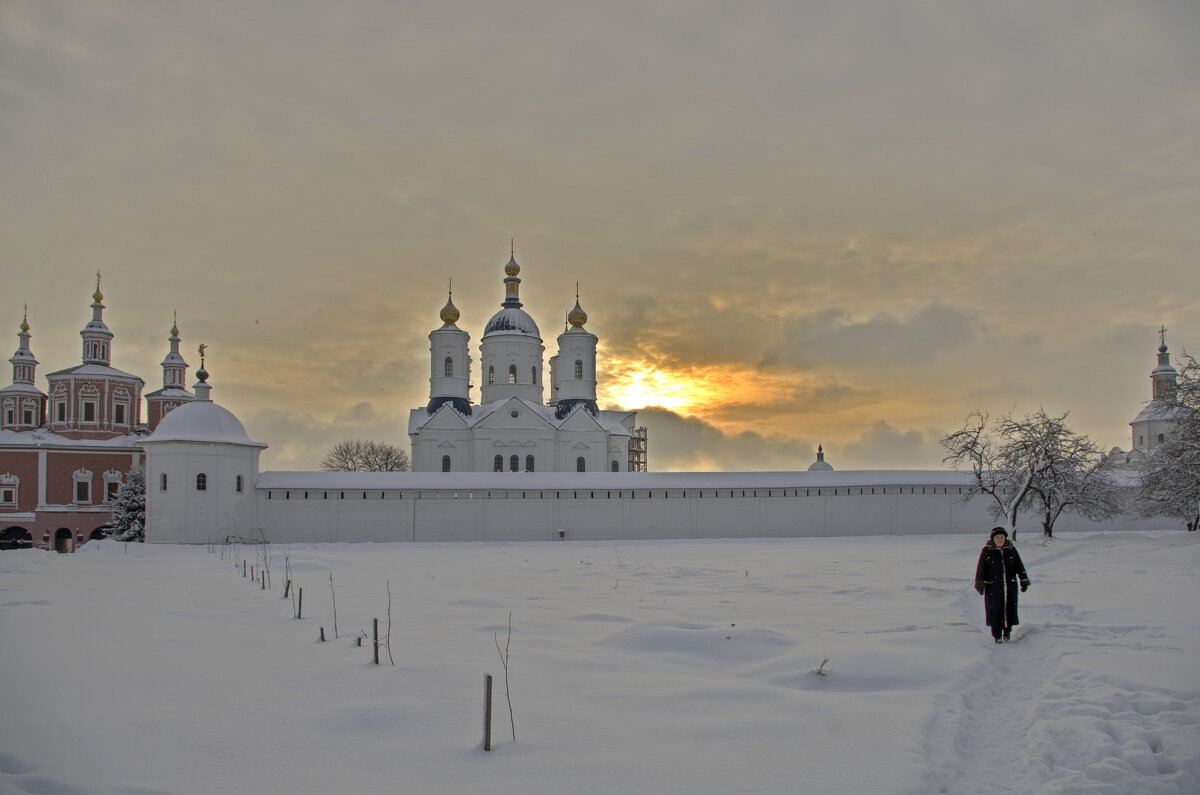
578, 370
449, 366
162, 482
445, 463
1160, 438
202, 482
580, 464
514, 464
533, 375
528, 463
512, 374
498, 464
491, 375
237, 484
615, 466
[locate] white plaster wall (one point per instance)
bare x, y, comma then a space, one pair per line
450, 514
183, 515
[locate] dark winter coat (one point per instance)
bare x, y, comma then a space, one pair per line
996, 578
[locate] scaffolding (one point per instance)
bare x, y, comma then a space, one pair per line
637, 450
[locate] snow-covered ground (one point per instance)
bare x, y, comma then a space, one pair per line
649, 667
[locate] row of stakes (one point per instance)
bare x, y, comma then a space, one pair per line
262, 576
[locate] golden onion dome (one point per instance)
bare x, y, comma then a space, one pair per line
25, 321
577, 317
512, 268
450, 313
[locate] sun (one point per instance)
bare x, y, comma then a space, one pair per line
638, 389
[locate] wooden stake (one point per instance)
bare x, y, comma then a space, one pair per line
322, 634
300, 608
377, 641
287, 588
487, 712
243, 568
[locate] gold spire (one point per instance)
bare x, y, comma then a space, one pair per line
97, 296
450, 313
577, 317
25, 320
175, 324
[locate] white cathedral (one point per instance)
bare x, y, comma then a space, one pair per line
512, 428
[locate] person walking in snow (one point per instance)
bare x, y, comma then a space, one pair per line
996, 577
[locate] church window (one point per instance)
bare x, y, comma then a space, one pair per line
445, 463
449, 366
119, 414
491, 375
162, 482
498, 464
237, 484
28, 417
512, 374
528, 463
8, 490
580, 464
83, 486
202, 482
514, 464
578, 369
111, 490
614, 466
8, 416
89, 411
1160, 438
60, 411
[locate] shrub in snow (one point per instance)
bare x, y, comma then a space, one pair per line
129, 509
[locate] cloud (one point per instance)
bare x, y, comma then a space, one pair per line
834, 338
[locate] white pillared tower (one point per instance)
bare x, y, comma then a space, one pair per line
511, 429
449, 363
573, 370
1157, 419
173, 392
22, 404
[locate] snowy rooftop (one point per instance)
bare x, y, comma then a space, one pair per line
202, 421
44, 438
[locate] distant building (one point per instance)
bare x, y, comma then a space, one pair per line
511, 429
1157, 419
64, 454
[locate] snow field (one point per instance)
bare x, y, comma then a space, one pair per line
656, 667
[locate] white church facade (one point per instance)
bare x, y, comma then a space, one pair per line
513, 427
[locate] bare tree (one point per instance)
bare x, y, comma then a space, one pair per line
1075, 480
1003, 471
1170, 484
358, 455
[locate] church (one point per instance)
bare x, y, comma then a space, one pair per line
514, 427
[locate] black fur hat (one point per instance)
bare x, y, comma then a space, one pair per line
998, 531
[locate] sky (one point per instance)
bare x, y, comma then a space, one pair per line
790, 224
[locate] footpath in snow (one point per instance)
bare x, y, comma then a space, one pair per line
772, 666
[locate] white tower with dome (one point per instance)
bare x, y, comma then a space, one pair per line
201, 471
513, 428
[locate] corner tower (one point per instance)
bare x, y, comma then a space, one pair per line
449, 363
173, 392
573, 370
22, 405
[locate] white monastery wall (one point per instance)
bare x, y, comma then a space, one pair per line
316, 507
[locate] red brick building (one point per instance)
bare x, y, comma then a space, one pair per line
64, 453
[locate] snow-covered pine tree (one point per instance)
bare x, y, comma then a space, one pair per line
129, 508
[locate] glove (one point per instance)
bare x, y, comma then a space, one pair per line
979, 588
1024, 586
